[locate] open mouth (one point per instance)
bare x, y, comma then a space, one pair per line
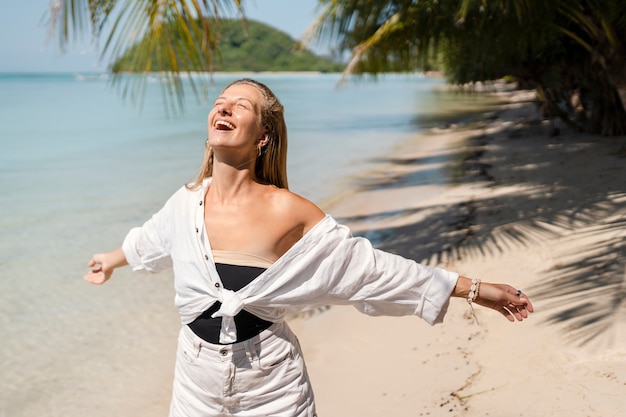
223, 125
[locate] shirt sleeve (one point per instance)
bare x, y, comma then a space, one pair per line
381, 283
334, 267
147, 248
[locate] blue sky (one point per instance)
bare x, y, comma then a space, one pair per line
23, 33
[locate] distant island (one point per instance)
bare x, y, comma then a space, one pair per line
245, 46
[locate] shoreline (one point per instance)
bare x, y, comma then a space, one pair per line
516, 205
538, 211
407, 185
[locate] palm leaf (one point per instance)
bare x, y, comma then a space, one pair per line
182, 33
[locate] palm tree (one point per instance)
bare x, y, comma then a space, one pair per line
564, 47
182, 33
561, 45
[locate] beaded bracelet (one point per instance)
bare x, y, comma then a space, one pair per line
473, 295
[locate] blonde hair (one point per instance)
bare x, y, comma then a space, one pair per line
271, 164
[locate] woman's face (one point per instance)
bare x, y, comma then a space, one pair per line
234, 122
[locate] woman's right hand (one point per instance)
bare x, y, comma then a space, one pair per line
100, 272
103, 264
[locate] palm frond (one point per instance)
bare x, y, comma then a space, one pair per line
182, 33
386, 29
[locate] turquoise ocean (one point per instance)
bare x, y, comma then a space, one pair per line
80, 165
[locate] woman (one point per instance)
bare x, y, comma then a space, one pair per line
246, 252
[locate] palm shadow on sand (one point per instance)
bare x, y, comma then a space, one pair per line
584, 294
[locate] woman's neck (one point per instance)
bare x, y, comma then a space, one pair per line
230, 183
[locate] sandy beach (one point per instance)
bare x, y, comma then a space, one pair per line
543, 212
533, 205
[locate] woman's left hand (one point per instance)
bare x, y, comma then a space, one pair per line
508, 301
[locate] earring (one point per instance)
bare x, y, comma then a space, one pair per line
260, 149
206, 142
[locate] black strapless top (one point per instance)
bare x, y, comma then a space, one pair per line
236, 270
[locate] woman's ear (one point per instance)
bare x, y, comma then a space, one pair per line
264, 140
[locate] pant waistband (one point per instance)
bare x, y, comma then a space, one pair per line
265, 337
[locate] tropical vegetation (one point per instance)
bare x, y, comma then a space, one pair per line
241, 46
572, 51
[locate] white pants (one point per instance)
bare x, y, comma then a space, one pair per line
260, 377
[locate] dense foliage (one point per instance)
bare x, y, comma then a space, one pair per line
239, 46
572, 51
176, 36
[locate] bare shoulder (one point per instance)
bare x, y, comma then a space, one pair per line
287, 217
296, 209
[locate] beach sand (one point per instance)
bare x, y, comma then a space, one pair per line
543, 212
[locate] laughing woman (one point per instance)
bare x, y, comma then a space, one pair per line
246, 252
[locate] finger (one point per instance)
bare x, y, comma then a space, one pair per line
506, 313
517, 298
523, 301
94, 278
517, 312
527, 303
95, 259
513, 314
523, 311
96, 270
523, 308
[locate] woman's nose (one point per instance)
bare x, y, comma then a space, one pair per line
224, 108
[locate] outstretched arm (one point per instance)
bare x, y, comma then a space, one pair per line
511, 303
103, 264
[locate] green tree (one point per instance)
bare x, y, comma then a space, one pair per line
176, 37
571, 50
241, 46
171, 36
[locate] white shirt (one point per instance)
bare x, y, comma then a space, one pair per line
326, 266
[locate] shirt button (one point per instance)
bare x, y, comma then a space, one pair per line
206, 257
200, 202
217, 284
197, 230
